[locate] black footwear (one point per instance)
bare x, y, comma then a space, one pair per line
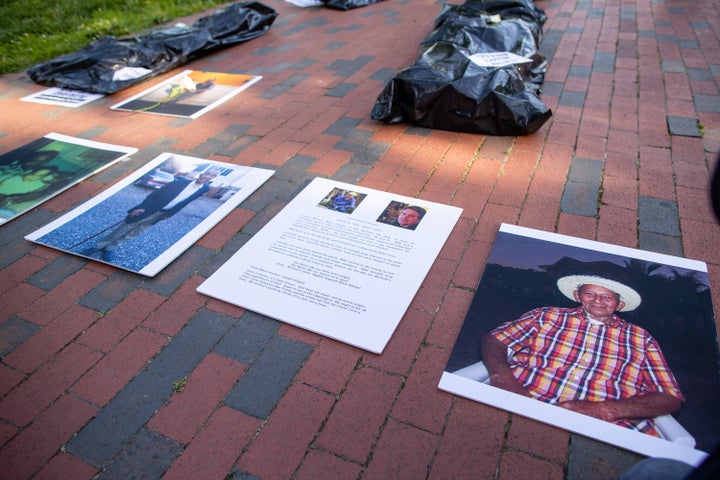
107, 255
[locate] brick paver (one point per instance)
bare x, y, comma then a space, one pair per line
92, 358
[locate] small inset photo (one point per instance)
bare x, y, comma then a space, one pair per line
402, 215
341, 200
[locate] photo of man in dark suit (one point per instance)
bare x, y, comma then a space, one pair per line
159, 205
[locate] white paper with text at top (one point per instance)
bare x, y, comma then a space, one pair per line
498, 59
62, 96
347, 276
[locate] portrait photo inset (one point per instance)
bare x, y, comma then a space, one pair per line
341, 200
402, 215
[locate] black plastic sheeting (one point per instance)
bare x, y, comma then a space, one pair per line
109, 64
348, 4
446, 90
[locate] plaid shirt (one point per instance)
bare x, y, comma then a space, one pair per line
558, 355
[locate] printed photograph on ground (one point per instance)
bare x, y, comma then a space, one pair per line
610, 342
147, 220
341, 200
189, 94
41, 169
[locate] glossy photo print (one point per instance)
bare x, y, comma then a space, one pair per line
610, 342
189, 94
41, 169
144, 222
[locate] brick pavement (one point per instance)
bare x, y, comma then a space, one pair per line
90, 355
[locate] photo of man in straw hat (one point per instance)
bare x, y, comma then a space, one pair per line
586, 358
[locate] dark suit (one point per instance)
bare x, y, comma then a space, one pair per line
152, 212
164, 195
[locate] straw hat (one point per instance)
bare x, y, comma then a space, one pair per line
629, 296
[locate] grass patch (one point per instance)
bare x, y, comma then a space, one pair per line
34, 31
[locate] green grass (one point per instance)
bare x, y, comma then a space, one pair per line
34, 31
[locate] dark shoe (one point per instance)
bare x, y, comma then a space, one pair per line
107, 255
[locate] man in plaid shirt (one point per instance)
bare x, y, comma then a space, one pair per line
585, 359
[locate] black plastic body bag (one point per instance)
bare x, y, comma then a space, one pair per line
445, 89
110, 64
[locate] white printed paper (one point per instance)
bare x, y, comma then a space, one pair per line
347, 272
498, 59
64, 97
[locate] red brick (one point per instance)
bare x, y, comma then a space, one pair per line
282, 153
29, 398
688, 149
382, 174
329, 366
577, 226
320, 143
177, 310
512, 185
289, 431
64, 465
402, 452
622, 141
298, 334
472, 442
186, 411
35, 445
563, 133
121, 320
7, 432
538, 439
691, 174
452, 168
652, 132
355, 422
472, 265
112, 373
389, 133
472, 198
520, 465
330, 162
223, 231
434, 149
618, 226
700, 240
225, 308
493, 216
400, 350
319, 464
50, 339
409, 183
457, 241
656, 178
620, 192
222, 440
17, 298
9, 378
589, 146
540, 212
418, 405
449, 318
434, 285
18, 271
60, 298
695, 203
495, 148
